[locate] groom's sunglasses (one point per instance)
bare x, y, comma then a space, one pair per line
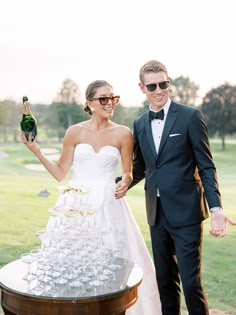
162, 85
105, 99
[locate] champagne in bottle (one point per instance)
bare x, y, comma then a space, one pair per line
28, 123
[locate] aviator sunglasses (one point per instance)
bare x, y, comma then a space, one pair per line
105, 99
162, 85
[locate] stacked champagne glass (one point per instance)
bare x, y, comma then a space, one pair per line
75, 256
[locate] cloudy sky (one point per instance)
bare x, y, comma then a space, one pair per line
43, 42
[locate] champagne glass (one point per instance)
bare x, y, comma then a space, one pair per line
28, 259
97, 269
69, 274
76, 284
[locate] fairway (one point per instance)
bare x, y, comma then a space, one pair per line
23, 213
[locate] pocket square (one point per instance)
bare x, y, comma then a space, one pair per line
174, 134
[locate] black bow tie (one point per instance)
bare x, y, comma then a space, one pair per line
156, 115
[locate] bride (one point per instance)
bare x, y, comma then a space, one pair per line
94, 149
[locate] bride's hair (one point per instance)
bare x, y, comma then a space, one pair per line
91, 90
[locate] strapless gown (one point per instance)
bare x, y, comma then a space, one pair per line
97, 170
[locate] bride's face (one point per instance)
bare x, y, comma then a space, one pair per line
104, 101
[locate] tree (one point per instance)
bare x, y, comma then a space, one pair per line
66, 109
183, 90
69, 96
124, 115
219, 108
57, 118
10, 119
69, 93
144, 108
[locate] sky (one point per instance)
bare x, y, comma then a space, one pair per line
44, 42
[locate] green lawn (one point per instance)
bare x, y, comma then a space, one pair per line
23, 213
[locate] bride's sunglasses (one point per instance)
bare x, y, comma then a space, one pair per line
162, 85
105, 99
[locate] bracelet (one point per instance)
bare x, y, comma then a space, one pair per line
215, 209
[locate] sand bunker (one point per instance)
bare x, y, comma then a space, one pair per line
51, 153
3, 155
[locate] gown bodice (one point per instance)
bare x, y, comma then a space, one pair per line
90, 166
95, 171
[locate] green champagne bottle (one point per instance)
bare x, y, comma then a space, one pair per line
28, 123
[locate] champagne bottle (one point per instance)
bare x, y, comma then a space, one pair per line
28, 123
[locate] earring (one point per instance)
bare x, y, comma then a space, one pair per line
92, 109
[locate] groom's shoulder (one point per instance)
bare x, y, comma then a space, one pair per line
142, 117
183, 107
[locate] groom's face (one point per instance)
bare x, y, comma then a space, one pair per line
159, 96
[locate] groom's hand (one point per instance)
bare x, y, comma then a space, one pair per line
219, 223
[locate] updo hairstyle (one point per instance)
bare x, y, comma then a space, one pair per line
91, 90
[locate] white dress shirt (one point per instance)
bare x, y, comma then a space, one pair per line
157, 126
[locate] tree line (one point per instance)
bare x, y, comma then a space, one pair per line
218, 107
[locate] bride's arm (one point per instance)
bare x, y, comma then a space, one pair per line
59, 169
126, 152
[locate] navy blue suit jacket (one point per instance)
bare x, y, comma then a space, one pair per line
184, 149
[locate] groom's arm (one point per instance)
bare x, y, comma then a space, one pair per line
139, 167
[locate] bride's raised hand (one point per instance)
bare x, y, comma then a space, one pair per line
29, 142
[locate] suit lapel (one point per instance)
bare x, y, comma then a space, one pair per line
148, 129
170, 119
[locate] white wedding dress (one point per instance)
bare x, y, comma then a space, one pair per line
97, 170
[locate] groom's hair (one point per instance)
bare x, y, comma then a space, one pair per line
151, 66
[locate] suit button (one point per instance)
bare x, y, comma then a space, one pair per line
158, 165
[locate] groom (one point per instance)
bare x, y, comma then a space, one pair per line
170, 145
